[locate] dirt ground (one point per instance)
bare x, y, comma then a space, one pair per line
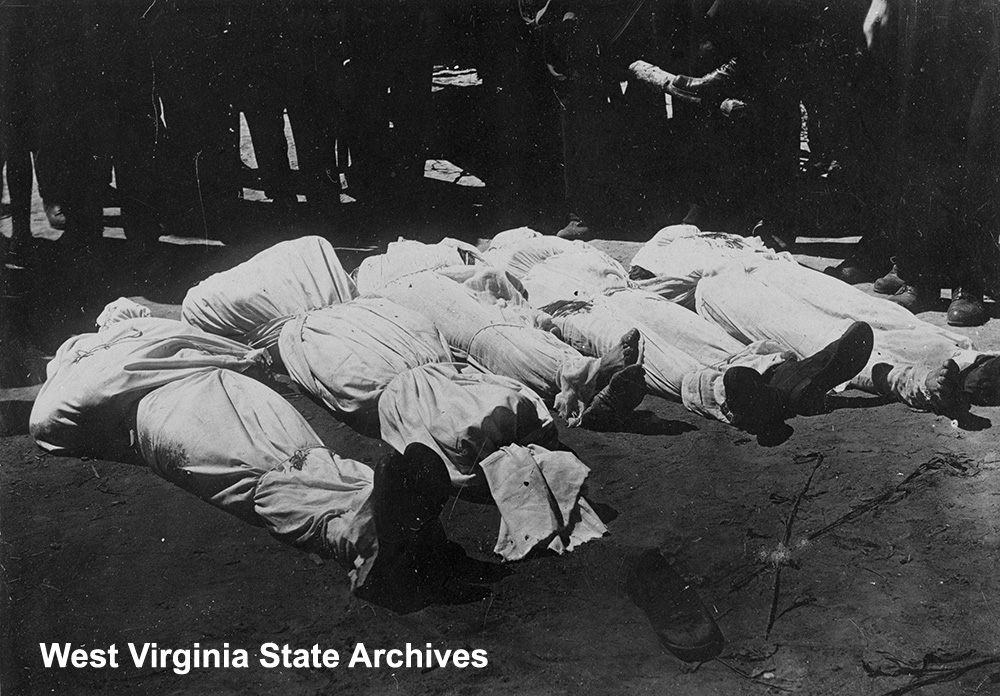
867, 539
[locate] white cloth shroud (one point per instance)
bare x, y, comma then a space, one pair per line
249, 301
505, 338
486, 424
406, 256
680, 255
238, 445
95, 380
346, 354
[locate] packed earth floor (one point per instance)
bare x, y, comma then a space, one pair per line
855, 554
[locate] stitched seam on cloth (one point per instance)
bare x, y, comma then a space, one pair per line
131, 336
492, 326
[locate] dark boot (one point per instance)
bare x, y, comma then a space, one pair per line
967, 308
751, 401
804, 383
850, 271
409, 490
981, 381
576, 229
890, 283
917, 298
682, 623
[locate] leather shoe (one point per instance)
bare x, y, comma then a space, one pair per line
576, 229
409, 490
981, 381
804, 383
751, 401
966, 308
916, 299
678, 617
55, 215
890, 283
848, 271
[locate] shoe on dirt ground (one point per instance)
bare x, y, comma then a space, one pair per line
804, 383
967, 308
680, 620
890, 283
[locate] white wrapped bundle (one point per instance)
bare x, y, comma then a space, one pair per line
346, 354
572, 277
240, 446
246, 301
462, 414
501, 339
680, 255
517, 254
480, 422
407, 256
95, 380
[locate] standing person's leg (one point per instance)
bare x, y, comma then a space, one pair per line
982, 167
137, 166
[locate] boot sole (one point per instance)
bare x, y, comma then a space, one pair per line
854, 348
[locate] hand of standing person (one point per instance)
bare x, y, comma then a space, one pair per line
875, 20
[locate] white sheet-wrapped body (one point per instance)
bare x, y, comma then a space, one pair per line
806, 310
517, 252
408, 256
346, 354
500, 338
289, 278
94, 380
680, 255
494, 428
461, 413
592, 304
240, 446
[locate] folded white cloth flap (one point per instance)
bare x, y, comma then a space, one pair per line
95, 379
538, 494
240, 446
286, 279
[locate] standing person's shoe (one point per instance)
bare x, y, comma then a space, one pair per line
967, 308
916, 298
678, 617
850, 271
804, 383
55, 215
775, 236
576, 229
890, 283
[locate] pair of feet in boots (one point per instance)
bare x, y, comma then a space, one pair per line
621, 385
796, 387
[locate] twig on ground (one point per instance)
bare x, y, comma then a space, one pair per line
789, 522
